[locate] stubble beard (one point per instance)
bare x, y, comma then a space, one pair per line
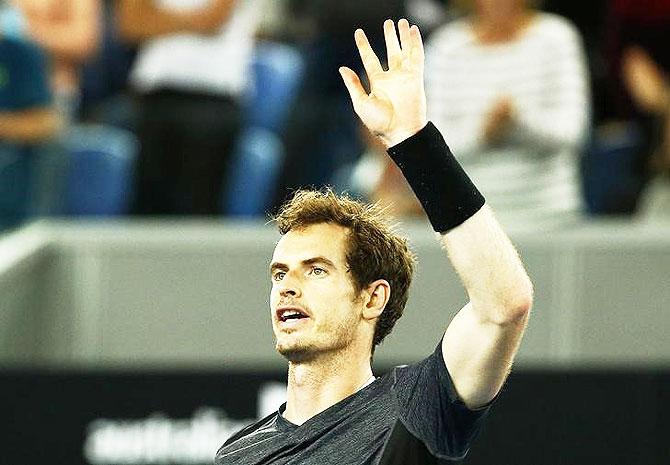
327, 341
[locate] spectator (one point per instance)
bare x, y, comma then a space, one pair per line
27, 119
508, 86
69, 32
638, 61
190, 72
633, 25
649, 87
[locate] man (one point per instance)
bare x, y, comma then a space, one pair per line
69, 33
340, 279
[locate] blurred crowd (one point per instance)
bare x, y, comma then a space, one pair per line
558, 111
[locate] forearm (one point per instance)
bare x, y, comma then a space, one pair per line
490, 268
139, 20
28, 126
481, 253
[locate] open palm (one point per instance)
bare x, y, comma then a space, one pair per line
395, 108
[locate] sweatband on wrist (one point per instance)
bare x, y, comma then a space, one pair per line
445, 191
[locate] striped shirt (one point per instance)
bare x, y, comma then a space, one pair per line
532, 175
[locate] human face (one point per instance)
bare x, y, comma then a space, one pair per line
310, 280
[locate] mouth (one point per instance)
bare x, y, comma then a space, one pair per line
291, 314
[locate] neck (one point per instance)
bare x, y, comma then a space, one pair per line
316, 385
494, 28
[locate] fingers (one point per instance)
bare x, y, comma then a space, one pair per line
405, 39
393, 51
404, 44
409, 46
370, 61
416, 48
353, 85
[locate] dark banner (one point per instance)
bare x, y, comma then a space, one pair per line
132, 419
103, 418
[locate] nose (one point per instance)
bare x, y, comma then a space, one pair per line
288, 287
287, 292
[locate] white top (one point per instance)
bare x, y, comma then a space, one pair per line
216, 64
533, 174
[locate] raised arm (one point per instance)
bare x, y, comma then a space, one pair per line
482, 339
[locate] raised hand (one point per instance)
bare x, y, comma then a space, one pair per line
395, 108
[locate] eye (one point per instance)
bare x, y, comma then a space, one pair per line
278, 275
316, 271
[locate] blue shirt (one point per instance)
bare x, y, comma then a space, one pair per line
24, 84
24, 81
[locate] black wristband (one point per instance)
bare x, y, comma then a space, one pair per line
445, 191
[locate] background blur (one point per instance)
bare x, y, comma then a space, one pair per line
144, 142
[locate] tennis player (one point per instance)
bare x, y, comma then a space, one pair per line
340, 280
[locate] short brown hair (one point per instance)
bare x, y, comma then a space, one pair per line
373, 251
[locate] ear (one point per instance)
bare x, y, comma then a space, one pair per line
376, 297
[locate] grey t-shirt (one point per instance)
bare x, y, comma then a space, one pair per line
412, 415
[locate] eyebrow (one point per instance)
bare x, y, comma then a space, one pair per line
309, 261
